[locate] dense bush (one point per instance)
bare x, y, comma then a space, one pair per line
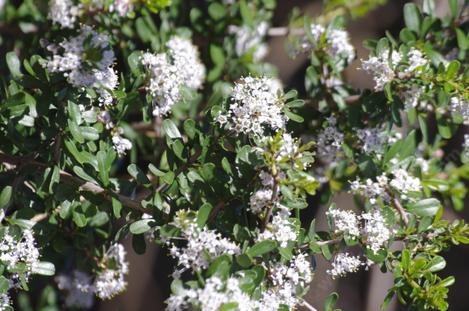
158, 119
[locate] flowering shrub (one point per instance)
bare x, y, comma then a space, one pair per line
159, 120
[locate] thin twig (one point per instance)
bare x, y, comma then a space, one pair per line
284, 31
70, 179
39, 217
308, 306
397, 205
273, 198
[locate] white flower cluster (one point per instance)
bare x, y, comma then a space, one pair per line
329, 141
248, 39
255, 105
416, 60
86, 60
168, 72
259, 200
411, 96
78, 289
337, 40
401, 181
373, 190
212, 296
372, 139
344, 263
382, 67
110, 281
370, 227
280, 229
122, 7
121, 144
203, 245
466, 145
346, 222
5, 302
460, 106
288, 149
405, 183
375, 230
286, 278
15, 250
63, 13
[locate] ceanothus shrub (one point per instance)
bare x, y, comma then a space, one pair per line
159, 120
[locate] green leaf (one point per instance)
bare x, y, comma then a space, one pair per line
5, 196
412, 17
89, 133
171, 129
4, 284
102, 166
43, 268
216, 10
454, 7
425, 207
116, 207
13, 64
261, 248
137, 174
220, 266
189, 128
75, 131
330, 302
203, 214
409, 145
140, 226
437, 263
452, 69
135, 62
246, 13
294, 117
79, 219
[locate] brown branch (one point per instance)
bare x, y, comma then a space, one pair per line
39, 217
273, 198
284, 31
397, 205
70, 179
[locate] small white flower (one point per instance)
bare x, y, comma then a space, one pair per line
382, 67
110, 281
203, 245
405, 183
5, 302
63, 12
168, 72
466, 145
86, 61
345, 222
247, 39
78, 289
460, 106
338, 43
121, 144
416, 60
255, 105
280, 229
259, 200
344, 263
372, 139
329, 141
375, 230
15, 250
